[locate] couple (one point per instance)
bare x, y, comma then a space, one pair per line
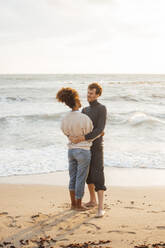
85, 149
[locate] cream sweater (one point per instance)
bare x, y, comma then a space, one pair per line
76, 123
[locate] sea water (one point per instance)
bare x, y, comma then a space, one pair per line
31, 141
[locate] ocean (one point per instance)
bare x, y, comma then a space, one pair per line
31, 141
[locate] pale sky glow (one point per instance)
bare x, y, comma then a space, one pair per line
82, 36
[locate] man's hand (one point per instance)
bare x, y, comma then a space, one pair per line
76, 140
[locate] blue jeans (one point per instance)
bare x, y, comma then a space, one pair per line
79, 161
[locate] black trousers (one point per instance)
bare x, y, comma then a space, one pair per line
96, 170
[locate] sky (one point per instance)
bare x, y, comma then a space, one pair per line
82, 36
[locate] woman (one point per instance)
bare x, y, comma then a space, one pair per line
76, 123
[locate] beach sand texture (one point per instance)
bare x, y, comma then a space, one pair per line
40, 216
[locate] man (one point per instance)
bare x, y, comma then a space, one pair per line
97, 113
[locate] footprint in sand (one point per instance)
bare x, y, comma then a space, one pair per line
10, 217
3, 213
153, 212
124, 226
121, 232
35, 216
134, 208
91, 224
161, 227
18, 216
11, 225
148, 228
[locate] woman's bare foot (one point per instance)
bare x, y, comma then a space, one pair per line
73, 207
79, 206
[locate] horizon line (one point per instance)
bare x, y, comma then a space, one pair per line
81, 73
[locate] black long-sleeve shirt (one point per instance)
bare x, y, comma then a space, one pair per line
97, 113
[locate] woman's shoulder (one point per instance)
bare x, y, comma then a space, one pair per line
86, 117
83, 115
75, 114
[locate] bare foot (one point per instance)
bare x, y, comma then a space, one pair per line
73, 207
100, 213
81, 208
91, 204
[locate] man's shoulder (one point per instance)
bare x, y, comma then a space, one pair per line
85, 109
98, 106
101, 106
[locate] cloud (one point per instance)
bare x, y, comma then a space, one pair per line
75, 35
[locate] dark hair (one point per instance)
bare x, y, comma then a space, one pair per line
97, 87
69, 96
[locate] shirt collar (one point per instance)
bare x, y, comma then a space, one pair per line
94, 103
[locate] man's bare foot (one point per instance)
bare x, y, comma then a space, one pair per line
100, 213
91, 204
81, 208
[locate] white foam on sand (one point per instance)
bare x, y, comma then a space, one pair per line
128, 177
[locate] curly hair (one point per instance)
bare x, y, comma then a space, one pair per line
68, 96
97, 87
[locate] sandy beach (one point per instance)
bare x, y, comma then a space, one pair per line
35, 212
